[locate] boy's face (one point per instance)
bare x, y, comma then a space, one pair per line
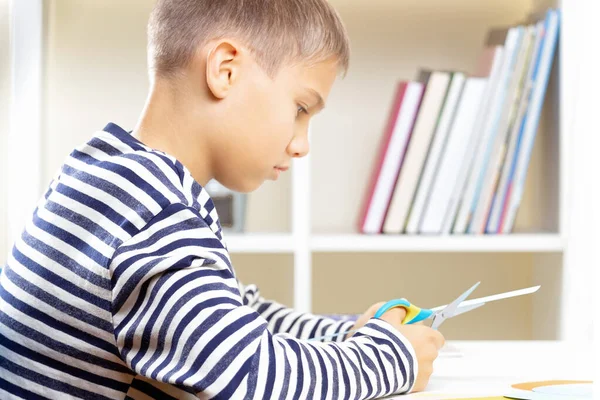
264, 121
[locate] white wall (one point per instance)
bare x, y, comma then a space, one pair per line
4, 120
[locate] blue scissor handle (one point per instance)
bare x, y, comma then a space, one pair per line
413, 313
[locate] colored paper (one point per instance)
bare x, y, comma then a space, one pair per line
533, 385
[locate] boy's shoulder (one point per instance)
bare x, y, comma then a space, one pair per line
116, 167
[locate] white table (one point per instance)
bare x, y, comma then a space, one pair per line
490, 368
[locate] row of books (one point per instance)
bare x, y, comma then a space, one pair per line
456, 148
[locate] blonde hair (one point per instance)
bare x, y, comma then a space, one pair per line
276, 31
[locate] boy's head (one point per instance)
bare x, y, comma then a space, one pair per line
238, 81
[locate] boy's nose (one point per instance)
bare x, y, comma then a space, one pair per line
299, 146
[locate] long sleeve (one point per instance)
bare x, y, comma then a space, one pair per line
305, 326
180, 318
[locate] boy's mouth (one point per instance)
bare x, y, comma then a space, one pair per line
282, 169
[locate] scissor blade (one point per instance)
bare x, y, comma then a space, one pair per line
464, 309
451, 308
501, 296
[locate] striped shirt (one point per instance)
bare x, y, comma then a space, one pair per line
121, 287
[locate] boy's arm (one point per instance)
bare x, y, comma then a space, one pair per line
179, 318
303, 326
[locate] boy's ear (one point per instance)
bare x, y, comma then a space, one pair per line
222, 67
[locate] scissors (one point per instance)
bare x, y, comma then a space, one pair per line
439, 314
415, 314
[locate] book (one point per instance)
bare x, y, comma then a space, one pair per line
493, 222
520, 162
457, 145
497, 156
391, 154
489, 66
436, 87
482, 153
457, 82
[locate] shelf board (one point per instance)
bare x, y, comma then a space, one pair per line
266, 243
528, 243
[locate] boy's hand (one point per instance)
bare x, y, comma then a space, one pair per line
399, 313
426, 342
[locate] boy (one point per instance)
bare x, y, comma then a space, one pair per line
121, 286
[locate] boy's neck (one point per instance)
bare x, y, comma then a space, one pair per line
165, 126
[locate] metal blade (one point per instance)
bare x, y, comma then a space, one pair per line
495, 297
451, 308
465, 309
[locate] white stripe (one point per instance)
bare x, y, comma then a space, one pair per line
219, 352
168, 307
65, 358
60, 222
138, 169
31, 386
54, 313
118, 180
130, 215
63, 271
57, 335
90, 213
53, 373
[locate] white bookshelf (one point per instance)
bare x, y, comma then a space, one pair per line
324, 243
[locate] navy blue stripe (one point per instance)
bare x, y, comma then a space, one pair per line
345, 376
66, 262
402, 347
85, 248
83, 222
369, 364
236, 381
174, 339
58, 325
62, 348
271, 369
62, 367
193, 338
182, 226
17, 391
299, 367
126, 173
148, 327
104, 146
111, 190
357, 374
58, 304
59, 281
124, 136
48, 382
286, 376
150, 390
289, 329
386, 381
311, 370
334, 373
323, 373
362, 373
98, 206
228, 357
152, 167
253, 375
161, 252
136, 145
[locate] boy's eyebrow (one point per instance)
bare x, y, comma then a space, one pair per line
319, 99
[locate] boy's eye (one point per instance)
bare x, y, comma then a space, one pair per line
301, 110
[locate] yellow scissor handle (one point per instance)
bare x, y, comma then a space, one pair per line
413, 313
